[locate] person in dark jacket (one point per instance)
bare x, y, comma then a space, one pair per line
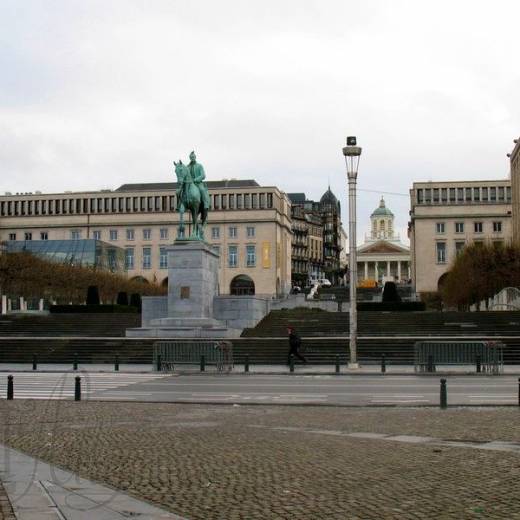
294, 346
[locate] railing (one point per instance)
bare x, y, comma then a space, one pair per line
167, 354
485, 355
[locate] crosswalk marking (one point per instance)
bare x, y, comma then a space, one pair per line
39, 385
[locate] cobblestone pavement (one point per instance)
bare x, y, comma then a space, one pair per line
214, 462
6, 511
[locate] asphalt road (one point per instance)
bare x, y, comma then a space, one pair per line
318, 389
267, 389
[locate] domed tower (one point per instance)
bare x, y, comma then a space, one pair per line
382, 220
330, 210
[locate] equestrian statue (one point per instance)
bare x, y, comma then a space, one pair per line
192, 195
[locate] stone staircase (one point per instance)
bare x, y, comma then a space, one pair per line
54, 325
98, 338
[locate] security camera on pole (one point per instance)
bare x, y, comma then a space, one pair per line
352, 153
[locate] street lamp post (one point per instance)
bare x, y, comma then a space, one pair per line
352, 153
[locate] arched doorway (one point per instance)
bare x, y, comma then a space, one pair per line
139, 279
242, 285
442, 281
164, 283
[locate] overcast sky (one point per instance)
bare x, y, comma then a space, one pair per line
94, 94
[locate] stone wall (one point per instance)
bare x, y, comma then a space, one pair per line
239, 312
153, 307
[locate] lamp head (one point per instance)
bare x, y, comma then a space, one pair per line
352, 150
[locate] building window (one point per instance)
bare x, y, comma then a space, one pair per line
147, 234
147, 257
497, 227
250, 232
441, 252
498, 243
44, 235
452, 195
478, 227
232, 256
459, 227
75, 235
459, 247
130, 234
113, 234
163, 233
251, 255
163, 258
12, 236
180, 233
232, 232
439, 227
96, 235
27, 236
129, 258
215, 233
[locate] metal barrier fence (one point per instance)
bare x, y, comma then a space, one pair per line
487, 355
167, 354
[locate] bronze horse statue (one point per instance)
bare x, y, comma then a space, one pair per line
189, 197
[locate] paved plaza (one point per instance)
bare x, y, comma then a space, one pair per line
298, 462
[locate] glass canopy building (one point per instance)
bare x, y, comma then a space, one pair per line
86, 252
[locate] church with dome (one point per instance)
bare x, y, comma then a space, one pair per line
382, 257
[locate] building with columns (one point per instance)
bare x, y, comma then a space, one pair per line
249, 225
447, 215
514, 158
382, 257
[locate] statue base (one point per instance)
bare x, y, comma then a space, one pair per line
192, 286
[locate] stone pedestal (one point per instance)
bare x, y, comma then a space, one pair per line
192, 286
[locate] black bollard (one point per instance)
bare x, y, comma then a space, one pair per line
444, 394
431, 367
477, 362
10, 388
291, 363
383, 364
337, 364
77, 389
159, 364
75, 363
246, 364
35, 362
202, 363
116, 364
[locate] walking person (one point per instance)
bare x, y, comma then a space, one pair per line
294, 346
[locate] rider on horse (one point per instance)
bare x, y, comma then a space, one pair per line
198, 176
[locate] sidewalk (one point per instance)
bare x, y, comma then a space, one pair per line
39, 491
299, 369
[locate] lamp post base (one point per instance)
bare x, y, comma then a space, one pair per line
353, 366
